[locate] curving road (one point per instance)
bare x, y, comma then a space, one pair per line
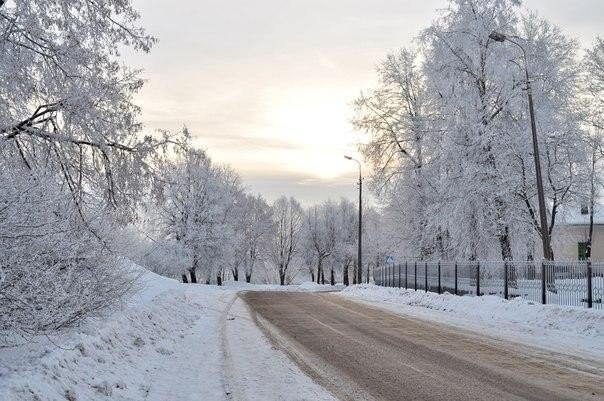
363, 353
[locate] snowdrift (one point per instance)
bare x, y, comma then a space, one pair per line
561, 328
70, 366
167, 342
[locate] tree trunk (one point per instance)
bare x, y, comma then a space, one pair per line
530, 257
184, 278
218, 279
345, 275
248, 277
322, 277
193, 269
592, 203
506, 255
235, 274
332, 277
506, 247
319, 270
281, 275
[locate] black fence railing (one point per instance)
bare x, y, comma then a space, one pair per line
561, 283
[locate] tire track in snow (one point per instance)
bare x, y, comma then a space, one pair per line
232, 390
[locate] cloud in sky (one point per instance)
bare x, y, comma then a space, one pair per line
266, 85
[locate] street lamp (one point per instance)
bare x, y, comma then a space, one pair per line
359, 251
500, 37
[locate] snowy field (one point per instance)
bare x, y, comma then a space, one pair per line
171, 342
569, 330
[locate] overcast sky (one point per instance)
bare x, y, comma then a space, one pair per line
266, 85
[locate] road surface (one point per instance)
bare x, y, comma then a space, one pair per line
363, 353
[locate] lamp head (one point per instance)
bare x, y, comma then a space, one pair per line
348, 157
497, 36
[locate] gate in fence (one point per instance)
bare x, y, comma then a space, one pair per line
561, 283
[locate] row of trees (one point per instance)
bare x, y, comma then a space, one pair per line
81, 187
449, 132
202, 222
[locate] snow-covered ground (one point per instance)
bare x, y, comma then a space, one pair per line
569, 330
171, 341
177, 342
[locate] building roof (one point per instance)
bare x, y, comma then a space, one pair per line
573, 217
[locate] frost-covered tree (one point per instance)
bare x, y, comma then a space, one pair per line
470, 87
593, 104
378, 240
308, 255
450, 133
66, 98
594, 78
72, 161
554, 71
321, 231
287, 221
253, 227
344, 254
196, 203
396, 116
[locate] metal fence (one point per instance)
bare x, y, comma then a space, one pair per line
561, 283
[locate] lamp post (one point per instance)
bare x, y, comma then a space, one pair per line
500, 37
359, 251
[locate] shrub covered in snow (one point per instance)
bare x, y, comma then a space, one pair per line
54, 271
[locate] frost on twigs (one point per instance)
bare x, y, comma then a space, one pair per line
453, 132
53, 269
73, 164
66, 98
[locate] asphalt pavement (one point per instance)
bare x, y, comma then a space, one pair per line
363, 353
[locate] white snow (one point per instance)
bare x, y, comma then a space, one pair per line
181, 342
171, 341
569, 330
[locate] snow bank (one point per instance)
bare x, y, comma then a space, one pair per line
566, 329
166, 343
107, 358
149, 284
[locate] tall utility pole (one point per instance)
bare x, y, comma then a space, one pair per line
500, 37
360, 239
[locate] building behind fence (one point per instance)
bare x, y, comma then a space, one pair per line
561, 283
